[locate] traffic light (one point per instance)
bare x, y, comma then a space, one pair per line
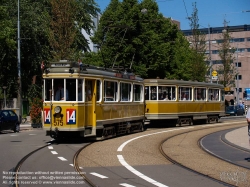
245, 94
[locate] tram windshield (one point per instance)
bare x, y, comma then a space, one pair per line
69, 90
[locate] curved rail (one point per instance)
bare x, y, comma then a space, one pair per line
77, 168
181, 165
19, 164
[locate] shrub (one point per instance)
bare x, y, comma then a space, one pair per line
36, 109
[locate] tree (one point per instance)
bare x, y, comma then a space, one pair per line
198, 44
141, 40
68, 18
227, 68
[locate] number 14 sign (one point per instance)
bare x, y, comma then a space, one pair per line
71, 116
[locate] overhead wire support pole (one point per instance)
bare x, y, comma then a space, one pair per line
237, 81
19, 63
210, 61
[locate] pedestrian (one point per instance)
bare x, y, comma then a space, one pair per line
248, 121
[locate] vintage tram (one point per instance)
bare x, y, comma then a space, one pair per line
91, 102
178, 102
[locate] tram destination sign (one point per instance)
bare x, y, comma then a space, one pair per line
58, 65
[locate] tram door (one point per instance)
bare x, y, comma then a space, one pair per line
90, 100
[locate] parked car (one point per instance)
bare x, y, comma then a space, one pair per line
235, 110
9, 120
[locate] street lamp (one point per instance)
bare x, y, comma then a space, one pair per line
237, 80
4, 88
19, 62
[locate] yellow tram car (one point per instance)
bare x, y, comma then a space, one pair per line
180, 102
91, 102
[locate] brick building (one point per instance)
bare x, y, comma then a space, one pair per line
240, 39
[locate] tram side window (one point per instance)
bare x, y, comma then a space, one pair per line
80, 87
47, 89
98, 90
147, 93
88, 90
138, 91
213, 94
110, 91
153, 92
166, 93
185, 93
222, 95
125, 91
200, 94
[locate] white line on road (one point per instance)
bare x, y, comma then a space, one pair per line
54, 152
126, 185
125, 143
139, 174
50, 147
62, 159
73, 166
98, 175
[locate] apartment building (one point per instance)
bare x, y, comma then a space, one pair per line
240, 40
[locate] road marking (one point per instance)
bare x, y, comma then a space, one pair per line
125, 143
50, 147
62, 159
73, 166
54, 152
126, 185
98, 175
139, 174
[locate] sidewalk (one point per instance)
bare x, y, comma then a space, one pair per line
239, 137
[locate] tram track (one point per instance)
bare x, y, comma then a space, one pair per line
16, 171
20, 163
77, 168
182, 164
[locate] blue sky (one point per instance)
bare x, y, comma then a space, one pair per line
210, 12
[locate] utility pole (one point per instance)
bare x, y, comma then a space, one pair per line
210, 61
237, 81
19, 64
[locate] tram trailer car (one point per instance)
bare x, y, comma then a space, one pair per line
91, 102
178, 102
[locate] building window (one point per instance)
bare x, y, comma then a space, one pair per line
248, 49
248, 39
240, 89
239, 64
239, 76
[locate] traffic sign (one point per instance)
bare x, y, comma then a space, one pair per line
214, 73
214, 77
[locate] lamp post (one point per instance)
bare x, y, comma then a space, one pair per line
4, 88
237, 80
19, 63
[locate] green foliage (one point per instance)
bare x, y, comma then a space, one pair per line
198, 45
36, 110
34, 34
147, 42
227, 68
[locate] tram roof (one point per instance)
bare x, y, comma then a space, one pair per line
74, 68
180, 82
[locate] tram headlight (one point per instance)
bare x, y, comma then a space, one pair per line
57, 109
